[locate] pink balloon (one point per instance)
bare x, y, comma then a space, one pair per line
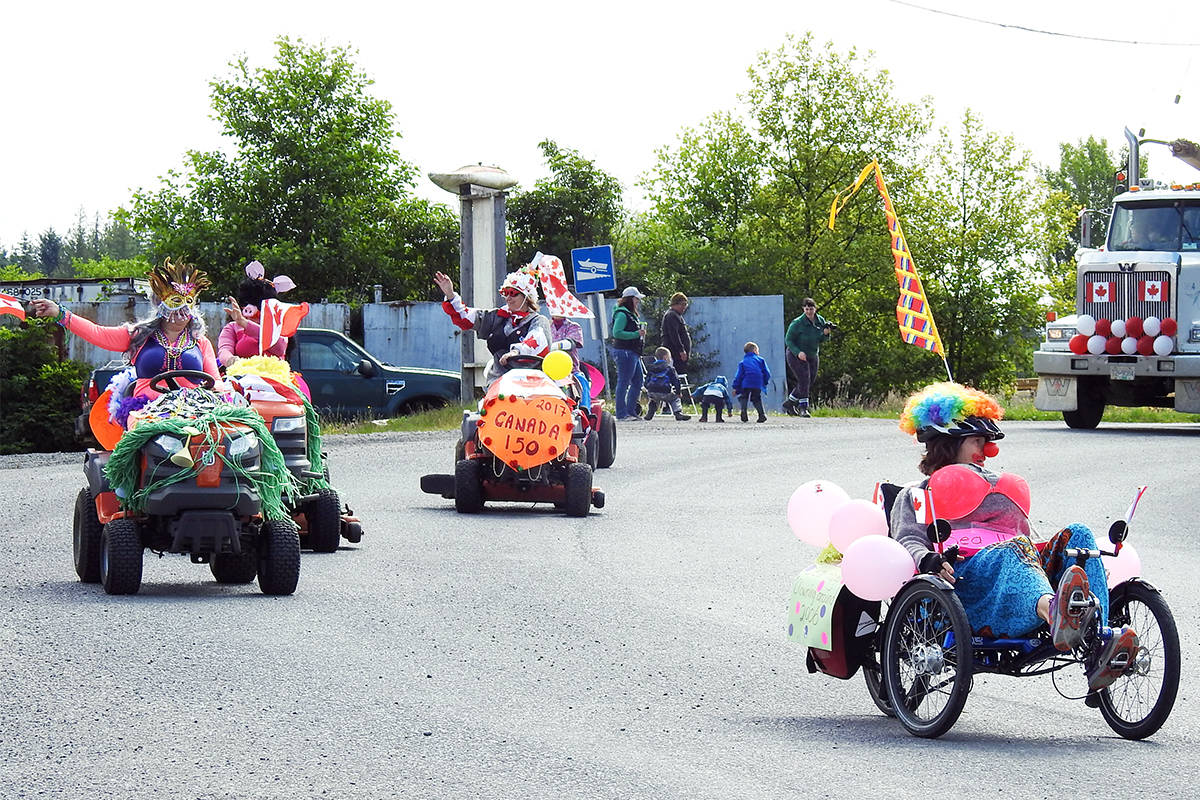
875, 567
810, 507
1127, 564
854, 520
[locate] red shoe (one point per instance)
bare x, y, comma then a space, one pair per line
1116, 656
1070, 609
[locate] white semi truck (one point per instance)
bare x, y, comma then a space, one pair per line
1135, 337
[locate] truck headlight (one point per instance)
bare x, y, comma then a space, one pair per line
1059, 333
288, 424
246, 443
168, 444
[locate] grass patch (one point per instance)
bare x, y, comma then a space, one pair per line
439, 419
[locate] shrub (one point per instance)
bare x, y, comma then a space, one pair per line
39, 394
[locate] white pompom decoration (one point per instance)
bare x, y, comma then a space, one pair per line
1096, 345
1164, 345
1152, 326
1118, 328
1129, 346
1085, 324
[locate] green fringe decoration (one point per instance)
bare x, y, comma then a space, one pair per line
273, 481
829, 555
315, 457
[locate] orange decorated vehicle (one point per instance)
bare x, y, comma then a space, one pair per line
525, 444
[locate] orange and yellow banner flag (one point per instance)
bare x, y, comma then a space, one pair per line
912, 309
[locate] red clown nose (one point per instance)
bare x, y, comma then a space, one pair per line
991, 449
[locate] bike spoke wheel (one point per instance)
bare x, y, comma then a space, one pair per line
1139, 702
927, 659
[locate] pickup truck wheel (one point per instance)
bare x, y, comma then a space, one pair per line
606, 449
121, 557
324, 516
468, 487
278, 558
234, 567
579, 490
85, 537
1087, 416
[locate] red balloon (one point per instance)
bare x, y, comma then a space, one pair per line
1133, 327
1112, 346
1146, 345
1078, 344
1103, 327
1169, 327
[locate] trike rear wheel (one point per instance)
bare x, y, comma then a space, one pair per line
1139, 702
927, 658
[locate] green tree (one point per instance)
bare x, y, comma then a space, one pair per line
39, 394
579, 205
1085, 174
312, 185
52, 258
112, 268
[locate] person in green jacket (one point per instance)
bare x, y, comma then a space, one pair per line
803, 342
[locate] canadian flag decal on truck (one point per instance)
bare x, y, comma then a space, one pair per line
1152, 291
1101, 292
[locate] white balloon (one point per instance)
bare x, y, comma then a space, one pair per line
1085, 324
1152, 326
1096, 345
1129, 346
1118, 327
1164, 345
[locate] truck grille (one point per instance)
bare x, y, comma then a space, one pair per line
1129, 302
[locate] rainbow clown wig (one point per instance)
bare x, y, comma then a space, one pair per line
951, 409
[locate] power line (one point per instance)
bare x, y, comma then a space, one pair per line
1039, 30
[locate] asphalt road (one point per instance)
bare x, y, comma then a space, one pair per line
639, 652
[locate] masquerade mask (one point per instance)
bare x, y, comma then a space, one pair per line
177, 286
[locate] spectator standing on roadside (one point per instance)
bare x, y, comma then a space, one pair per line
629, 337
803, 341
675, 336
752, 377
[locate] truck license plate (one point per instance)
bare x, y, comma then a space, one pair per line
1120, 372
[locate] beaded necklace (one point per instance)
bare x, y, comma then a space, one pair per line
174, 350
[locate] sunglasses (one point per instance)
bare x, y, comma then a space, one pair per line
510, 293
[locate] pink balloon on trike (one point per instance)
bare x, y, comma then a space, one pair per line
875, 567
810, 507
854, 520
1125, 565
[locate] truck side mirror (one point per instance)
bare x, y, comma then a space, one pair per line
1085, 229
366, 368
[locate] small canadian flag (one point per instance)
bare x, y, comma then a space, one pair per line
277, 320
1101, 292
922, 501
1152, 291
11, 305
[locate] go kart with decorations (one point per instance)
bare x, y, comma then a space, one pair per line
525, 444
271, 389
193, 474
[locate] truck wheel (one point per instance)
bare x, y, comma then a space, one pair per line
85, 537
468, 487
1087, 416
579, 490
606, 452
234, 567
324, 516
121, 557
278, 558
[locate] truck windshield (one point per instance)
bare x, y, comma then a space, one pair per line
1166, 226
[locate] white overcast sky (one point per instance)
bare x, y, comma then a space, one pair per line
103, 97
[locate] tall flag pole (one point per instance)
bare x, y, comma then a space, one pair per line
913, 313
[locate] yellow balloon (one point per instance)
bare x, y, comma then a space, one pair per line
557, 365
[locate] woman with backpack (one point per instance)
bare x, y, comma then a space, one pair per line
629, 336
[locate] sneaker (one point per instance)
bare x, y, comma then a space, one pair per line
720, 420
804, 413
1068, 615
682, 417
744, 417
703, 418
791, 407
649, 416
763, 418
1116, 656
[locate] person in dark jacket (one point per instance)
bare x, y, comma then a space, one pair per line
675, 336
752, 377
629, 337
662, 384
803, 340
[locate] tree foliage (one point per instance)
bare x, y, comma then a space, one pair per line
312, 185
579, 205
39, 395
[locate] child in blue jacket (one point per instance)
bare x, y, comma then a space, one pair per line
752, 377
714, 394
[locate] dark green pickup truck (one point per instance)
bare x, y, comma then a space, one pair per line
345, 380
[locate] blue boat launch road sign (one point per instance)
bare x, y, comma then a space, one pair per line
594, 269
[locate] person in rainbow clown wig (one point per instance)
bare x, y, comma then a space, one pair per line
1007, 585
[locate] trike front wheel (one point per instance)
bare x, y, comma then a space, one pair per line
1139, 702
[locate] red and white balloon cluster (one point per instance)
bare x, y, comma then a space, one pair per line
874, 566
1134, 336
